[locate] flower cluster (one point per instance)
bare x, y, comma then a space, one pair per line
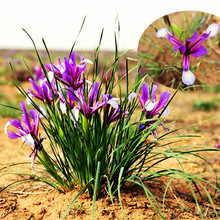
192, 47
63, 83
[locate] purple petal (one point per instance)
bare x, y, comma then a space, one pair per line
164, 97
192, 46
33, 114
35, 123
188, 77
67, 65
79, 70
201, 51
12, 135
154, 92
93, 93
47, 93
25, 116
176, 43
192, 38
16, 123
182, 49
186, 61
141, 127
145, 92
71, 94
35, 86
96, 107
67, 78
73, 59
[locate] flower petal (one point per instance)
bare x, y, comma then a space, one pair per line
87, 61
6, 127
132, 96
163, 32
28, 140
192, 38
166, 112
16, 123
188, 78
12, 135
25, 116
43, 111
145, 92
201, 51
29, 98
113, 102
93, 93
212, 29
186, 61
63, 107
75, 116
149, 105
164, 97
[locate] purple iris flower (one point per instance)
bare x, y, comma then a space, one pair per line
112, 109
43, 91
87, 108
38, 72
193, 46
28, 130
149, 104
70, 99
69, 73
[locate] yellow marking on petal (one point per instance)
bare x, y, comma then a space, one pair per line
165, 33
187, 74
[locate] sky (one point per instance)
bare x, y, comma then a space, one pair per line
58, 22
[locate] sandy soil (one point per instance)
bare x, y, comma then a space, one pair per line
38, 201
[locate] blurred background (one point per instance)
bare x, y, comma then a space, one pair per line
59, 21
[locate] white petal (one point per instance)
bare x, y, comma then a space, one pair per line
87, 81
60, 86
63, 107
149, 105
28, 99
75, 112
50, 76
43, 111
166, 112
188, 77
214, 28
41, 81
113, 102
28, 139
132, 96
87, 61
6, 127
163, 32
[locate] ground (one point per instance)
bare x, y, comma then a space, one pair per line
38, 201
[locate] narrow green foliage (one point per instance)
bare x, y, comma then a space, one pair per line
105, 134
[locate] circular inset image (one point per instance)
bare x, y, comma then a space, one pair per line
182, 48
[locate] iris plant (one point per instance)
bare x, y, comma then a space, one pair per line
148, 103
69, 73
43, 92
92, 106
192, 47
28, 130
112, 111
